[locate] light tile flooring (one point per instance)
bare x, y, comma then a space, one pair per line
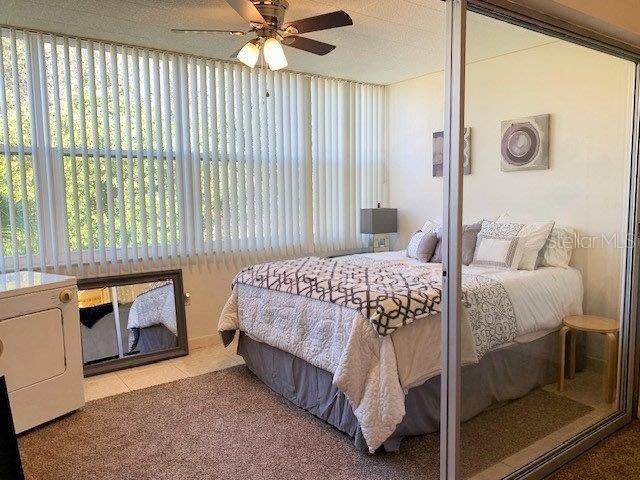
199, 361
585, 388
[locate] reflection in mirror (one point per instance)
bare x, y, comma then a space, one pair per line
544, 289
130, 320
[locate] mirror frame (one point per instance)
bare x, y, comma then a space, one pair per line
181, 349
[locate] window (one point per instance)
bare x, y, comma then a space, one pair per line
119, 154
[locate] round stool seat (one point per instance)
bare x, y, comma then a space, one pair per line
591, 323
595, 324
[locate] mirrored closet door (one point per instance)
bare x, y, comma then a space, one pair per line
541, 206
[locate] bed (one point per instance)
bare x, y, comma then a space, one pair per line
356, 340
152, 322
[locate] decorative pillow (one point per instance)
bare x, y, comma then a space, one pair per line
430, 227
500, 229
437, 254
558, 248
534, 237
469, 237
498, 245
422, 245
506, 218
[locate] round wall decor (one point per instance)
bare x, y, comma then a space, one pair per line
524, 144
520, 144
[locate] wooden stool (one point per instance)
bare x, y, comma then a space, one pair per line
591, 323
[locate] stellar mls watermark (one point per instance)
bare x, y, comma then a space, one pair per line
603, 240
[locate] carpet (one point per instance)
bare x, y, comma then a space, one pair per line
616, 457
227, 424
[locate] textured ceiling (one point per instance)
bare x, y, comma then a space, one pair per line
390, 41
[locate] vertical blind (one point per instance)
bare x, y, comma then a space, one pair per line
120, 155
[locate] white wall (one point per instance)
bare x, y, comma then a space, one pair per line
209, 286
588, 95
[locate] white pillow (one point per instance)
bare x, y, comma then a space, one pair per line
430, 227
498, 245
534, 236
558, 248
506, 218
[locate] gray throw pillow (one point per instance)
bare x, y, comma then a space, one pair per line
422, 245
437, 253
469, 238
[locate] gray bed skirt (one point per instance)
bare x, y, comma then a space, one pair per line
501, 375
155, 338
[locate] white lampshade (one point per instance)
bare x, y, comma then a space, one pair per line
249, 54
274, 55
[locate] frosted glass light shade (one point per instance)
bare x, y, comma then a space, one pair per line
249, 54
274, 55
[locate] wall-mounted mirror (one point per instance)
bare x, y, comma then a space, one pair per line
130, 320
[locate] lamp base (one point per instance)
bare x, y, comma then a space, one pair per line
381, 242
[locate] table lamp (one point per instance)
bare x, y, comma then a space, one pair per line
379, 222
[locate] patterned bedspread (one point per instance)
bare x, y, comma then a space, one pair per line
490, 312
389, 294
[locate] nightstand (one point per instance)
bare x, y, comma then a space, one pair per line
591, 323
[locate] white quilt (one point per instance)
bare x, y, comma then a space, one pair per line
338, 339
374, 372
154, 307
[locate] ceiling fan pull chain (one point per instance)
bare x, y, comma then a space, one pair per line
263, 69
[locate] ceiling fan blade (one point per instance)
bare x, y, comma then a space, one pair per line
321, 22
247, 10
207, 30
234, 55
308, 45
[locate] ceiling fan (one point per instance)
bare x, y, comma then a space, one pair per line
266, 18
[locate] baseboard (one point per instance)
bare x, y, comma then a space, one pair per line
205, 341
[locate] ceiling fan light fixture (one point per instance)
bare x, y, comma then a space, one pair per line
274, 54
249, 54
